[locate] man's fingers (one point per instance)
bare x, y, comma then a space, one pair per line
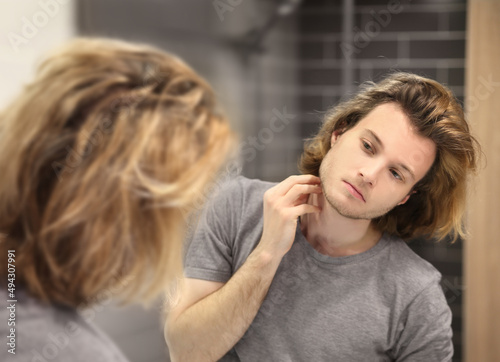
301, 200
306, 209
299, 190
283, 187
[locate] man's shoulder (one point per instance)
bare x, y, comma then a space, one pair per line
237, 197
246, 183
37, 324
408, 268
243, 187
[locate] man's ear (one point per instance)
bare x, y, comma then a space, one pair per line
407, 197
335, 136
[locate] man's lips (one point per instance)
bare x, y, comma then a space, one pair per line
354, 191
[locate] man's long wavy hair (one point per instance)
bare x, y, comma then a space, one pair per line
436, 209
102, 158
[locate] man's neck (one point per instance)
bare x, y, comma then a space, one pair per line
335, 235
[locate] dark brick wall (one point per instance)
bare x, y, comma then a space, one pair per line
424, 37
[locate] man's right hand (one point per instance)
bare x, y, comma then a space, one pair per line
210, 318
283, 204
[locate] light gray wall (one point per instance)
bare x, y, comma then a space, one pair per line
27, 31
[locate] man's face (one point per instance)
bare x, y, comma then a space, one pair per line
372, 167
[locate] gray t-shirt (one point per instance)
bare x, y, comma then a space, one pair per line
52, 333
384, 304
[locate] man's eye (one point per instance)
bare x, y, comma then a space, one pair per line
396, 175
367, 146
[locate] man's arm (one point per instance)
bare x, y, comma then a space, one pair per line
207, 322
209, 328
426, 328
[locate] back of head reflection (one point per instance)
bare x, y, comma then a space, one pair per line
102, 157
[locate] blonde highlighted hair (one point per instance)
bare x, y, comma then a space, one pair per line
102, 156
436, 208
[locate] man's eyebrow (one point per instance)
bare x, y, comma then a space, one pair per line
375, 137
377, 140
403, 166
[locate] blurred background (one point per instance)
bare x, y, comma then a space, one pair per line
276, 66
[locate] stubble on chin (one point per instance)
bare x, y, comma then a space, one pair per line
347, 212
342, 210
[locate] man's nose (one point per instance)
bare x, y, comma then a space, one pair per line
370, 174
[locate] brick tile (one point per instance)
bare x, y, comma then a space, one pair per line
320, 23
381, 20
457, 20
456, 76
322, 3
376, 49
374, 2
330, 102
309, 129
311, 103
311, 49
321, 76
437, 49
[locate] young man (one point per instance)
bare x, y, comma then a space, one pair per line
315, 268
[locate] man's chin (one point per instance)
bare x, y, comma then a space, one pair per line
349, 213
344, 211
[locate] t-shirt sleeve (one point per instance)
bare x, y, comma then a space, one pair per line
210, 252
425, 328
